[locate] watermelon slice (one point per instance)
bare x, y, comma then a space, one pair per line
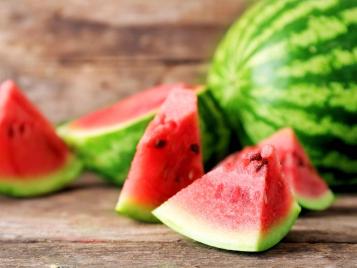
310, 190
33, 160
106, 139
168, 157
246, 206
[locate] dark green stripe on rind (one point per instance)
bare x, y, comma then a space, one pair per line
300, 73
110, 151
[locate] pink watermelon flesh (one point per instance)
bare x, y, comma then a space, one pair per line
168, 157
29, 144
309, 188
246, 205
130, 108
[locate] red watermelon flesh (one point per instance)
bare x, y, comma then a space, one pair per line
129, 108
168, 157
29, 144
247, 206
310, 189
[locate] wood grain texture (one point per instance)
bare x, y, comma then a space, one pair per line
92, 52
78, 226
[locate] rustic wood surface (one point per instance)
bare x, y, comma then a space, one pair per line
71, 57
78, 227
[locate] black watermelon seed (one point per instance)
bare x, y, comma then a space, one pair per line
299, 159
160, 144
195, 148
255, 156
22, 128
11, 132
263, 163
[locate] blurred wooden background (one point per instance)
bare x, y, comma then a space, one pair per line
74, 56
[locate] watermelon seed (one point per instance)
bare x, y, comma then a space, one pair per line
160, 144
22, 128
195, 148
11, 132
255, 156
263, 163
300, 161
177, 179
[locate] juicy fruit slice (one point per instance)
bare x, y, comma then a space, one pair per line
247, 206
33, 160
168, 157
310, 189
106, 139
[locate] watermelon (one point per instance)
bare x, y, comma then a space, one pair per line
168, 157
310, 190
246, 206
293, 63
106, 139
33, 159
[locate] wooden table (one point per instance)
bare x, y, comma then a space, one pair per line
71, 57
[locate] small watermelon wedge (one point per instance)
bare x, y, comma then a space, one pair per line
311, 191
245, 206
106, 139
168, 157
33, 159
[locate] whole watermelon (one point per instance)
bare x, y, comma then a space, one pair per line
294, 63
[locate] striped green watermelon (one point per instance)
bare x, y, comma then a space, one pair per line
293, 63
106, 139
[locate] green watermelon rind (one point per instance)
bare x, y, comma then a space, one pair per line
100, 150
187, 224
136, 210
320, 203
109, 151
44, 184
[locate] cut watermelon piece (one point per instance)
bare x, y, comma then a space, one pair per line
309, 188
168, 157
33, 160
106, 139
247, 206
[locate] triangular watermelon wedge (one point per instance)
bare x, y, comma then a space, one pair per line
33, 159
168, 157
246, 206
311, 191
106, 139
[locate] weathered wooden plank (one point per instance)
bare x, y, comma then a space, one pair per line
62, 53
70, 90
132, 12
180, 253
85, 212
